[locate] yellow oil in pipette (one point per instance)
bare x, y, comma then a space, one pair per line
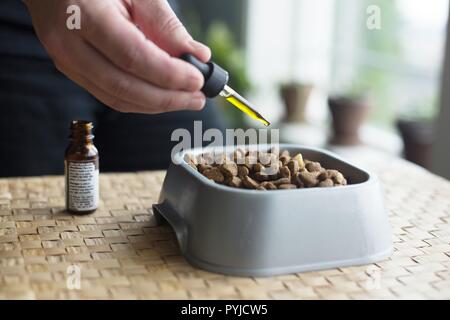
217, 78
242, 104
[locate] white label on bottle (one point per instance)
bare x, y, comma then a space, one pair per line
82, 186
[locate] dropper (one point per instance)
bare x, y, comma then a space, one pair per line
216, 83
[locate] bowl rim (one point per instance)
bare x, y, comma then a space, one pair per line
371, 178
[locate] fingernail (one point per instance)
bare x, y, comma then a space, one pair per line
198, 46
194, 83
197, 101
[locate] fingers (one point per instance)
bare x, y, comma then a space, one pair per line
159, 23
103, 96
120, 90
127, 47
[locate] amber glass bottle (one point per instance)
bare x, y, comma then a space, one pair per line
81, 169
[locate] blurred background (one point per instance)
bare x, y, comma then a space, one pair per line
349, 75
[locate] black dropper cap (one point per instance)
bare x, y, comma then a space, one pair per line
216, 78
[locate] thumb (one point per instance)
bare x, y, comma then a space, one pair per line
159, 23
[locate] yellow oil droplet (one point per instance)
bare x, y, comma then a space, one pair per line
244, 107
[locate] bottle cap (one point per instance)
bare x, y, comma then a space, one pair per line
216, 78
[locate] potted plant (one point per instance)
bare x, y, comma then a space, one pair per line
348, 111
295, 96
417, 129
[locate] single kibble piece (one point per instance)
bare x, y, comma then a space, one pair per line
297, 181
203, 167
193, 166
313, 167
260, 188
229, 170
235, 182
285, 153
258, 167
328, 183
285, 173
214, 174
188, 158
243, 171
191, 162
269, 186
309, 179
332, 173
337, 177
293, 167
262, 176
299, 159
323, 175
287, 186
281, 181
250, 183
285, 159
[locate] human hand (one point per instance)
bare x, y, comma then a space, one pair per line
125, 52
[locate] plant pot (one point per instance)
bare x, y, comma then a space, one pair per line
295, 97
348, 114
418, 137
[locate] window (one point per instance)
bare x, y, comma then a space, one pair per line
327, 43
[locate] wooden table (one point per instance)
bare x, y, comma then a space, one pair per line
121, 252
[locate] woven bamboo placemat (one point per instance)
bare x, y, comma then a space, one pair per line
121, 253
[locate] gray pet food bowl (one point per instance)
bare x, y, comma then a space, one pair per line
264, 233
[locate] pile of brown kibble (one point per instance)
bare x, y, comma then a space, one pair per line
270, 170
